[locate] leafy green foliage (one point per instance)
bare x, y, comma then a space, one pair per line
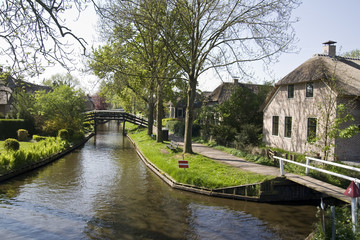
237, 120
11, 144
22, 134
13, 160
59, 109
343, 225
63, 134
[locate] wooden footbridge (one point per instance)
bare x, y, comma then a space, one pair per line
98, 116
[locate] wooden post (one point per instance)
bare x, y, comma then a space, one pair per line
281, 167
124, 127
333, 228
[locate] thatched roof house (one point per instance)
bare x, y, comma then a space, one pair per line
295, 108
8, 86
225, 90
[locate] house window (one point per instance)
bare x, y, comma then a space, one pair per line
291, 91
288, 123
180, 113
275, 125
309, 89
311, 129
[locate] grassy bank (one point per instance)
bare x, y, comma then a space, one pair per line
202, 171
29, 153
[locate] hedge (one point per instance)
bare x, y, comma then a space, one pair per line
9, 127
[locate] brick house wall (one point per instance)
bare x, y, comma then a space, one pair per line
349, 149
299, 108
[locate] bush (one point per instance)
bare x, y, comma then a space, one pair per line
2, 116
179, 128
249, 135
9, 127
223, 134
22, 134
78, 136
11, 144
63, 134
166, 120
38, 138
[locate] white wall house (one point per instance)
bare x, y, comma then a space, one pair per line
297, 109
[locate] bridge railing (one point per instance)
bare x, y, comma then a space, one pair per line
307, 166
115, 115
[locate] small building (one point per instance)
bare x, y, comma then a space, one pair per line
8, 86
305, 102
223, 92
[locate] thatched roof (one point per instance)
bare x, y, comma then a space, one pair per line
342, 74
5, 93
224, 91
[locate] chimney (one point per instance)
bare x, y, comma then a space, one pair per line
329, 48
236, 80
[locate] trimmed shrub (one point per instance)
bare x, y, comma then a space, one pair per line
11, 144
78, 136
38, 138
170, 125
63, 134
9, 127
22, 134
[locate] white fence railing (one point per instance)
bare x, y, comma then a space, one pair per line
354, 201
307, 166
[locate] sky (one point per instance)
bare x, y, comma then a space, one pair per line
319, 21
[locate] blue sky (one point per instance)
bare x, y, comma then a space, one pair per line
319, 21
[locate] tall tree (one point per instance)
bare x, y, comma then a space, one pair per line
144, 55
220, 34
34, 33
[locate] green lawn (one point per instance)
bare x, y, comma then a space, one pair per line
202, 171
23, 145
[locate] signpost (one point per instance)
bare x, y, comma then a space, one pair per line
183, 163
353, 192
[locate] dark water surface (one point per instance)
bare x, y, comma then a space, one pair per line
104, 191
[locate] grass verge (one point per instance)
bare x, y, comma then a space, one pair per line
292, 168
202, 171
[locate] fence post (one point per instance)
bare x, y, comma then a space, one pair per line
333, 227
281, 167
353, 213
307, 164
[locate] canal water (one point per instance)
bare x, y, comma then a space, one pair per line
104, 191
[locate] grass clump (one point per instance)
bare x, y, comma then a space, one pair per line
202, 171
30, 154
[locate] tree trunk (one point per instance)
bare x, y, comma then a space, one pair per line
159, 114
189, 118
151, 116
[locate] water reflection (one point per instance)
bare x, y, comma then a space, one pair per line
103, 191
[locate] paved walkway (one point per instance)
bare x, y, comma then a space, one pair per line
229, 159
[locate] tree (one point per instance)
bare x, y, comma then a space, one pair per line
335, 120
99, 102
353, 54
34, 33
62, 79
60, 109
238, 118
220, 34
144, 57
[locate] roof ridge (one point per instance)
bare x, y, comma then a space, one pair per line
336, 57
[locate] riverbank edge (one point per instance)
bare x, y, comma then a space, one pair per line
44, 162
187, 187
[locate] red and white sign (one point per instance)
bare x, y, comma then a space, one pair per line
352, 191
183, 164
